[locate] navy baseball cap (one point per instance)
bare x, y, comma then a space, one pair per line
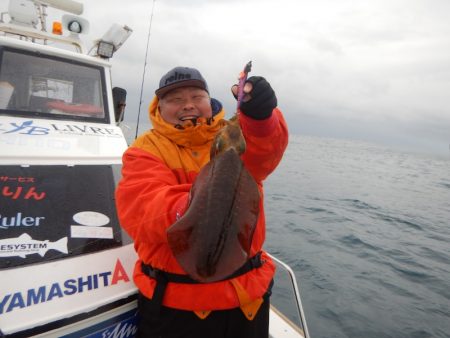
180, 77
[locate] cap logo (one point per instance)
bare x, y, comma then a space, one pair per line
177, 77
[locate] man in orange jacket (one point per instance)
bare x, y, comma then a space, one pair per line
159, 169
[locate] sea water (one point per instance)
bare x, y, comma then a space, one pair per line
367, 231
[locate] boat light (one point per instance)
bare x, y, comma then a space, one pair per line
105, 49
57, 28
115, 38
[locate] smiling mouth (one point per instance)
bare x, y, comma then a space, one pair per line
189, 117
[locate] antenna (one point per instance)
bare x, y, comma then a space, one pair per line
143, 73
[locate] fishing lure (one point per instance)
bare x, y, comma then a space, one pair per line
230, 135
242, 79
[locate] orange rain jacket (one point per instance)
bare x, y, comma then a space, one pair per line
158, 171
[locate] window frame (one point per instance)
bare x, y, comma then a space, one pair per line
53, 116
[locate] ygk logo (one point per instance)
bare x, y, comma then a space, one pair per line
19, 220
26, 128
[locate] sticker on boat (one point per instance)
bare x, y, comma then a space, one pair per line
91, 218
24, 245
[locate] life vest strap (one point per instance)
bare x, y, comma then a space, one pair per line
163, 278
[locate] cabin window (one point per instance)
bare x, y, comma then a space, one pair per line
33, 84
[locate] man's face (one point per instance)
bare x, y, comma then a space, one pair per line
184, 104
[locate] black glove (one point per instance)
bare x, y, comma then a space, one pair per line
262, 99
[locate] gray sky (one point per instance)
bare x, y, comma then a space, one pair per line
371, 70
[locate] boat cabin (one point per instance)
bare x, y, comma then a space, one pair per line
65, 263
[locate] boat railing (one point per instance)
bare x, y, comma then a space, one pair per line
295, 288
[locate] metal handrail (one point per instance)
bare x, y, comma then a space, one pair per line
301, 313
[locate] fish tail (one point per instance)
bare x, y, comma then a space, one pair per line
60, 245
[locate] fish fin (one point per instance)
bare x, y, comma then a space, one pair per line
179, 237
179, 234
248, 198
25, 236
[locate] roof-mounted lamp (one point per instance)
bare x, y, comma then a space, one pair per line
113, 39
105, 49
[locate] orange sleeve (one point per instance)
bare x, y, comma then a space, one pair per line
266, 142
149, 199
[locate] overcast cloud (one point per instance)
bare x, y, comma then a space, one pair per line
372, 70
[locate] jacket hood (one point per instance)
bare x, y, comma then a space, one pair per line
189, 135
